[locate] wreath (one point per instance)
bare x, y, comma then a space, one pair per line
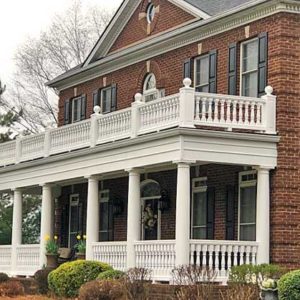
149, 218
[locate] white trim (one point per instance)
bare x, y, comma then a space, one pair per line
198, 58
242, 184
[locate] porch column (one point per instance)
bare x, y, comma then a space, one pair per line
47, 219
183, 214
16, 238
92, 219
133, 215
263, 215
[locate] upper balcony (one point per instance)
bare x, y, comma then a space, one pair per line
187, 109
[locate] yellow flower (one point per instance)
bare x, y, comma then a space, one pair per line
47, 237
56, 237
84, 237
78, 237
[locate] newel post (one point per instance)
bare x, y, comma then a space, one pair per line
187, 104
269, 111
135, 115
94, 125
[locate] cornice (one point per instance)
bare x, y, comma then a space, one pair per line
178, 38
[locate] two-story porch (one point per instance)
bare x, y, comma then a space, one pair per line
179, 180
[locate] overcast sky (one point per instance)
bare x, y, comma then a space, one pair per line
22, 18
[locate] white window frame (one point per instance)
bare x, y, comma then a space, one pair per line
102, 100
103, 198
76, 99
197, 189
195, 71
150, 92
72, 204
143, 200
242, 184
241, 63
150, 12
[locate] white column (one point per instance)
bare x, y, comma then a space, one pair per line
47, 219
183, 214
16, 228
92, 219
133, 215
263, 215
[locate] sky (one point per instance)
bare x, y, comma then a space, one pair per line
22, 18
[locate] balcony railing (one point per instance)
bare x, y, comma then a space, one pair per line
187, 109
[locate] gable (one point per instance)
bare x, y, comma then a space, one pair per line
167, 16
129, 25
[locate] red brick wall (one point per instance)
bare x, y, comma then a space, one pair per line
283, 75
169, 16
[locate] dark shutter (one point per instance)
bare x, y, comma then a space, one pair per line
213, 71
83, 108
67, 112
210, 213
96, 98
232, 69
262, 62
113, 97
64, 229
188, 68
230, 212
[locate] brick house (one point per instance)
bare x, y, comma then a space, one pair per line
178, 142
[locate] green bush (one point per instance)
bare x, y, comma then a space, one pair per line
66, 280
111, 274
102, 290
3, 277
289, 286
41, 278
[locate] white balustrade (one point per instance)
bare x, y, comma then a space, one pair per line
70, 137
159, 114
112, 253
8, 153
32, 147
157, 256
230, 111
28, 259
185, 109
114, 126
5, 258
220, 256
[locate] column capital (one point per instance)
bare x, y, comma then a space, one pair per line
182, 163
134, 170
47, 185
16, 190
262, 168
93, 177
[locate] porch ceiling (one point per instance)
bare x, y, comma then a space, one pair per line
166, 147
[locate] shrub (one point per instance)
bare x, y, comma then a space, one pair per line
111, 274
101, 290
240, 292
289, 286
41, 278
11, 288
3, 277
66, 280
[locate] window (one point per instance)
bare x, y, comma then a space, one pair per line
74, 220
106, 217
202, 74
150, 13
109, 99
249, 65
247, 206
149, 90
76, 109
199, 209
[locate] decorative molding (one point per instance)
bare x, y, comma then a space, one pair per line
191, 33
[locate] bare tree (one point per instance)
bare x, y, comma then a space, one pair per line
65, 44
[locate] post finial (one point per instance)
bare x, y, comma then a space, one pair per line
187, 82
269, 90
97, 109
138, 97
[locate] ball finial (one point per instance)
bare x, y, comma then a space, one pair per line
187, 82
138, 97
269, 90
97, 109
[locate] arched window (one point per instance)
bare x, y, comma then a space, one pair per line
150, 13
149, 90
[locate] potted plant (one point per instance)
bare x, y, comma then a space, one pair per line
269, 290
81, 246
51, 251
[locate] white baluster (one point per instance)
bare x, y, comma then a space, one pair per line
209, 118
234, 112
222, 112
252, 117
197, 117
203, 112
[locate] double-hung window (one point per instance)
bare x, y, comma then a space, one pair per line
106, 98
247, 205
202, 73
106, 217
76, 109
